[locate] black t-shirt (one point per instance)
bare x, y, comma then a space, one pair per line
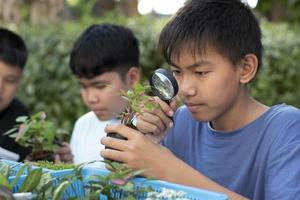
7, 121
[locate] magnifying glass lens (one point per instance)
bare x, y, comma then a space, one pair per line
163, 85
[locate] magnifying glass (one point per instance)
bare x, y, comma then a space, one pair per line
163, 84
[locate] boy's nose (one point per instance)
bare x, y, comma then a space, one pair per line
91, 97
187, 87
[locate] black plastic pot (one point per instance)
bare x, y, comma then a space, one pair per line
118, 136
41, 155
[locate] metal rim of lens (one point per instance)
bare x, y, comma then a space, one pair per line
168, 79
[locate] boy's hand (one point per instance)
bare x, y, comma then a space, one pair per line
138, 152
155, 123
64, 154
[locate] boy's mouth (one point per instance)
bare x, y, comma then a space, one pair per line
193, 107
98, 111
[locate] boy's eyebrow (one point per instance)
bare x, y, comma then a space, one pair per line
99, 82
196, 64
96, 82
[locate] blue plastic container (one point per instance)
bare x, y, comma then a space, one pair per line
191, 193
14, 166
75, 189
79, 188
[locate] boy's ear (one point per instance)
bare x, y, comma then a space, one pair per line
133, 76
248, 68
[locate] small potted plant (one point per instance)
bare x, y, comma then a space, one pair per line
137, 100
38, 134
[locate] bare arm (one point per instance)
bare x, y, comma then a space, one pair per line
138, 152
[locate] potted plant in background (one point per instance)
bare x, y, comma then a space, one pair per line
39, 134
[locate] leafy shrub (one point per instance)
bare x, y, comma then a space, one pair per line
49, 86
279, 79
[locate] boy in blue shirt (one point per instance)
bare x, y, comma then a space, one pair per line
222, 139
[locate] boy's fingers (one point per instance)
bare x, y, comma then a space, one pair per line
57, 159
114, 143
68, 158
65, 149
173, 105
166, 108
148, 128
65, 144
113, 154
121, 129
162, 113
150, 123
64, 153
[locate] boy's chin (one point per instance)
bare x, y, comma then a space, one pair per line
104, 117
201, 118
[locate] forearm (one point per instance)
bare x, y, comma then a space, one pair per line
181, 173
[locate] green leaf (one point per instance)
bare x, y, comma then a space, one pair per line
115, 165
45, 182
4, 181
32, 180
5, 169
60, 189
46, 188
131, 197
13, 130
129, 186
18, 175
21, 119
138, 172
139, 88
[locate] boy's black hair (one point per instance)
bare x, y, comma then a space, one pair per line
104, 48
227, 25
13, 50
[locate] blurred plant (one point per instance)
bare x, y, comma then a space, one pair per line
53, 166
36, 184
117, 184
26, 180
38, 134
278, 80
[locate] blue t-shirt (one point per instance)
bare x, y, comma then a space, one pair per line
260, 160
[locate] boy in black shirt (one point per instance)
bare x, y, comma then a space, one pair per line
13, 56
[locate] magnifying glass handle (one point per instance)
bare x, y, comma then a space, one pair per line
168, 102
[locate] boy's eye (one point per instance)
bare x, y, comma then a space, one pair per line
175, 72
100, 86
202, 73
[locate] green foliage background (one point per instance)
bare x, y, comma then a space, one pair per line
49, 86
279, 79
